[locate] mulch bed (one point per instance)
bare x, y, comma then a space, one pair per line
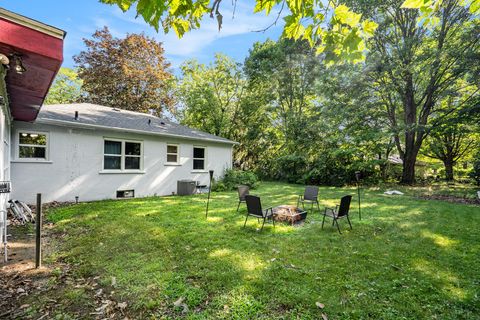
449, 198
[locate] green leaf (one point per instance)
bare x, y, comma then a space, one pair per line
180, 26
352, 41
266, 5
307, 35
413, 4
475, 7
345, 16
369, 27
293, 28
124, 5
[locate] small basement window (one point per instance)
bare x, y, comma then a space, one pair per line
32, 145
172, 154
125, 193
199, 158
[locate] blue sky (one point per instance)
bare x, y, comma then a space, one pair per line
81, 18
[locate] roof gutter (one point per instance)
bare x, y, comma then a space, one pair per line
96, 126
32, 24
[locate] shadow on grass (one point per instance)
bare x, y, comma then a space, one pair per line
405, 258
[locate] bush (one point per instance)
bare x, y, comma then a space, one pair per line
475, 173
290, 168
233, 178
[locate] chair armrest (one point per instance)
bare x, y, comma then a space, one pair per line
266, 211
328, 208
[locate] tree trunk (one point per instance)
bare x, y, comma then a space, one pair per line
448, 170
408, 172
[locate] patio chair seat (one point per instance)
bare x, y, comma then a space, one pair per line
254, 209
340, 211
330, 212
309, 196
266, 212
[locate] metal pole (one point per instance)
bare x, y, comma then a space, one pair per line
4, 235
359, 211
209, 189
38, 233
358, 176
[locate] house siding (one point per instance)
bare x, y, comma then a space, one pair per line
75, 164
4, 138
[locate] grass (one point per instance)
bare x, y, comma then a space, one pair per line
458, 190
406, 259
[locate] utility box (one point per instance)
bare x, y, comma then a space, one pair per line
186, 187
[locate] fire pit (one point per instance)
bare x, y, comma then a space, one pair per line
290, 214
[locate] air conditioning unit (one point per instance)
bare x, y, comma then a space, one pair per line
186, 187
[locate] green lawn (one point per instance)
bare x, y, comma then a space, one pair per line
406, 259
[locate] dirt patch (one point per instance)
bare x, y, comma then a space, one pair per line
19, 276
449, 198
54, 290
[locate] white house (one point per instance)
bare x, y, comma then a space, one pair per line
31, 54
83, 150
94, 152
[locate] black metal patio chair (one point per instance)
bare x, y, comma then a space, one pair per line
340, 211
310, 196
254, 208
242, 192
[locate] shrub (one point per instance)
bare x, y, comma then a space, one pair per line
233, 178
290, 168
475, 173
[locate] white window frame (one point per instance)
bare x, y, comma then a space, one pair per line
204, 158
18, 145
170, 153
122, 156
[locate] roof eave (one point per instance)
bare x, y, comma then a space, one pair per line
32, 24
142, 132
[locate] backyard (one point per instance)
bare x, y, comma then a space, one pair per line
161, 258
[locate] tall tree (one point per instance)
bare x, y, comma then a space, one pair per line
455, 137
286, 72
412, 67
210, 96
216, 98
450, 144
130, 73
67, 88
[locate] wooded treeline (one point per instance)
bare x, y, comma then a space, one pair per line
416, 96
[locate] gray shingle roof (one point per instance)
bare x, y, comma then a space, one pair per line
91, 115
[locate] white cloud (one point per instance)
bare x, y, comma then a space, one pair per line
192, 45
195, 41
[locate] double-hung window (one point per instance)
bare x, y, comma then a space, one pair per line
172, 154
122, 155
199, 158
32, 145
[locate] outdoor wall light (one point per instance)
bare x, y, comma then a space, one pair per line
4, 59
18, 64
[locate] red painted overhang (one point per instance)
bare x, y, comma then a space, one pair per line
41, 54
